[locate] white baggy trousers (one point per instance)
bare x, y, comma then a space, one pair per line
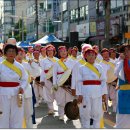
48, 95
28, 112
12, 115
62, 97
91, 108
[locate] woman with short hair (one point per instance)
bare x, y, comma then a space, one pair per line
13, 81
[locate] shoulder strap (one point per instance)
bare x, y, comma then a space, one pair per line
109, 63
93, 68
64, 67
73, 58
12, 67
52, 59
82, 62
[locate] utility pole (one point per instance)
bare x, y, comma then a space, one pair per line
107, 22
22, 27
68, 32
12, 5
62, 19
78, 12
36, 20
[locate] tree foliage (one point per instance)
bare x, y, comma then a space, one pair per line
18, 31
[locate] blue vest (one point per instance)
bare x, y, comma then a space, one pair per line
123, 105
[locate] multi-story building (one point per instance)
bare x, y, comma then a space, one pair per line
44, 18
77, 16
118, 17
20, 10
7, 8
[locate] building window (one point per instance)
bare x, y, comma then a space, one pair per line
33, 6
76, 13
125, 8
82, 12
31, 10
86, 9
49, 6
72, 14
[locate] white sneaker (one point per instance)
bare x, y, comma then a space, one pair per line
114, 126
40, 101
37, 105
61, 118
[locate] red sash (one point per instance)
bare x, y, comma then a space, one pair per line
9, 84
127, 70
92, 82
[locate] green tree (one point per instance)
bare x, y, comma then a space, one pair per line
18, 31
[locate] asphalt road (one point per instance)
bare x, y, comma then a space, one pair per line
43, 121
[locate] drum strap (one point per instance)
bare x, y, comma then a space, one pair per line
109, 63
93, 68
73, 58
64, 67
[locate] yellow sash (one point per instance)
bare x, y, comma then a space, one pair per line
43, 57
24, 60
52, 59
73, 58
69, 55
24, 123
29, 55
109, 63
93, 68
64, 67
82, 62
98, 60
12, 67
29, 77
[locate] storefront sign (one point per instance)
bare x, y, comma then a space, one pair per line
83, 30
101, 25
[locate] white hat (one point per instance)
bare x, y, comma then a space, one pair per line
11, 41
85, 46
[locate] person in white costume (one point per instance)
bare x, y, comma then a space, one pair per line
91, 90
62, 96
46, 65
75, 69
82, 46
37, 47
36, 72
9, 41
69, 51
99, 58
28, 106
113, 59
13, 81
111, 87
43, 53
74, 52
29, 55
